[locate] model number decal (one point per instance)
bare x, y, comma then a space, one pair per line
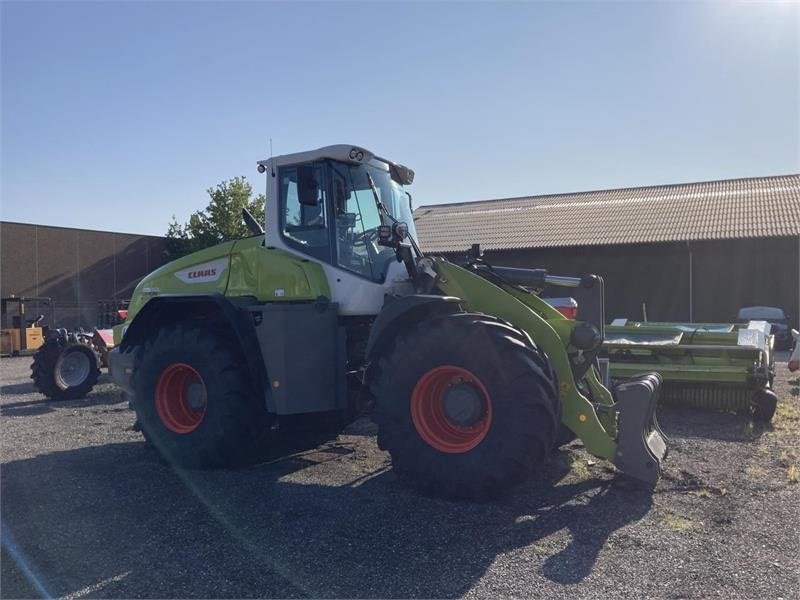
203, 273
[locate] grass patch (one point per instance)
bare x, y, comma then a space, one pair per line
787, 458
787, 417
677, 522
793, 473
580, 468
710, 492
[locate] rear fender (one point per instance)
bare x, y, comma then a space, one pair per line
163, 310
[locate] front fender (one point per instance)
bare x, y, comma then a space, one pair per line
401, 312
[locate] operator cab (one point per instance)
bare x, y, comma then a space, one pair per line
342, 206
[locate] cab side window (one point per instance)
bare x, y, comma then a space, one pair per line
304, 225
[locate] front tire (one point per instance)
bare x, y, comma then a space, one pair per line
194, 399
466, 405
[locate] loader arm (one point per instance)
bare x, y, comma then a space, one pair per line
622, 427
551, 332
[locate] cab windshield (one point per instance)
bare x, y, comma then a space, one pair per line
358, 216
390, 193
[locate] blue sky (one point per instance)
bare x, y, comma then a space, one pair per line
116, 116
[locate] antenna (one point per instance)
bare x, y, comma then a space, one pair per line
271, 164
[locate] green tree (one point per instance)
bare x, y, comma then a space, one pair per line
220, 221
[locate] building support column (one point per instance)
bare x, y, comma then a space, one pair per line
691, 282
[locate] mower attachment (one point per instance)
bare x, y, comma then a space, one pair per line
641, 445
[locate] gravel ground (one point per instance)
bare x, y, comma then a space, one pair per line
89, 511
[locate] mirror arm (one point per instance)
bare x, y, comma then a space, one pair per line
249, 220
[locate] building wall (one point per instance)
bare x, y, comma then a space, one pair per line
75, 267
78, 267
729, 275
726, 275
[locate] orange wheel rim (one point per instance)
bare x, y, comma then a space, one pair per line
181, 398
451, 409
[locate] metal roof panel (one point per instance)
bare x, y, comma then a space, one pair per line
735, 208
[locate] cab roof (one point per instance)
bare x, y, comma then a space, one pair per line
340, 152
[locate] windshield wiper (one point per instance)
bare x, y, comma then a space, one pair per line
378, 203
382, 209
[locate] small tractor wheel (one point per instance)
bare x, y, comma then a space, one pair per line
763, 404
63, 370
194, 400
466, 405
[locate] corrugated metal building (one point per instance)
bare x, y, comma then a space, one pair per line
695, 251
75, 267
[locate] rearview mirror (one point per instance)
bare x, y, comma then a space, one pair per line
307, 186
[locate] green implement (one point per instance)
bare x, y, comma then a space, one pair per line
715, 366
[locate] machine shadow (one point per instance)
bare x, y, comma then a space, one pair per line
281, 529
709, 424
42, 405
19, 388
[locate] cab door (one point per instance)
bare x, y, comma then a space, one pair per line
325, 214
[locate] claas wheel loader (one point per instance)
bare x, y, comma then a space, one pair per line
471, 378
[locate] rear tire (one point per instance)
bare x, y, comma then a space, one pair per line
507, 424
194, 399
63, 370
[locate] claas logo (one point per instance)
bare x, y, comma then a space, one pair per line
202, 273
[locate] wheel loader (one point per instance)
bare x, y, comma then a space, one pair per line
470, 377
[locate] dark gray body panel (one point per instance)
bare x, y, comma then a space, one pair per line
302, 346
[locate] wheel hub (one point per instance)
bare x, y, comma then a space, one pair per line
463, 405
72, 369
196, 395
